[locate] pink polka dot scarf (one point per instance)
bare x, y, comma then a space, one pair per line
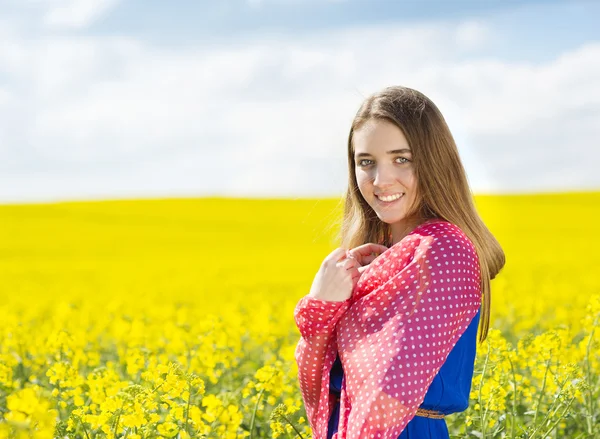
406, 313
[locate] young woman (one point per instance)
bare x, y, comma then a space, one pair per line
389, 327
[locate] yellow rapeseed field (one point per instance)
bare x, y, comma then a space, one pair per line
174, 318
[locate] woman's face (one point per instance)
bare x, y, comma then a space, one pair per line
383, 165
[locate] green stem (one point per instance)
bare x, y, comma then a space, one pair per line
591, 409
187, 410
118, 419
260, 394
84, 429
514, 405
487, 405
158, 387
551, 410
293, 426
537, 409
553, 426
481, 415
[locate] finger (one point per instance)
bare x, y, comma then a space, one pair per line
368, 259
363, 268
355, 274
367, 249
364, 255
352, 263
337, 255
348, 263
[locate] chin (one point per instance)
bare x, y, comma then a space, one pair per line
390, 219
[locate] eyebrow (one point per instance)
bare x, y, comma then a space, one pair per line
395, 151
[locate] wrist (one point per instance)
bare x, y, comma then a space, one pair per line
324, 299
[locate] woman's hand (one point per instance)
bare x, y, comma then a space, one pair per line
336, 277
366, 253
341, 270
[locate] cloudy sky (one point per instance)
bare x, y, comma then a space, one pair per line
142, 98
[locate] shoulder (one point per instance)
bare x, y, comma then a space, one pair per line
444, 232
444, 237
448, 253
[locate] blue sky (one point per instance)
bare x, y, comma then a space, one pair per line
118, 98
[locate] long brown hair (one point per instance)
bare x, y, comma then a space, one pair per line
442, 190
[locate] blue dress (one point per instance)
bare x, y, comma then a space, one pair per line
448, 393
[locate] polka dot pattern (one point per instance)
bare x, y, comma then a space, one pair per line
406, 313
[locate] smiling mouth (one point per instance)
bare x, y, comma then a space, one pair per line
389, 200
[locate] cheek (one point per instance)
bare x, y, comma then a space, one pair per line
363, 187
408, 179
362, 179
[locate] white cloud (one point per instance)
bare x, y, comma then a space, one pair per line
472, 34
61, 14
98, 115
76, 13
261, 3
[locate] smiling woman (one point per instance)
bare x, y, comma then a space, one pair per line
388, 343
386, 179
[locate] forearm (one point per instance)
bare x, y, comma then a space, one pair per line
310, 357
316, 319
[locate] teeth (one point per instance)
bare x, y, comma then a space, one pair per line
391, 197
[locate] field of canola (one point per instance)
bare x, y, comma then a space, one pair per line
174, 318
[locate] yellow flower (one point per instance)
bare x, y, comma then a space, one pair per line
136, 330
167, 429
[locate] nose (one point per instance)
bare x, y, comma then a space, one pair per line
384, 177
